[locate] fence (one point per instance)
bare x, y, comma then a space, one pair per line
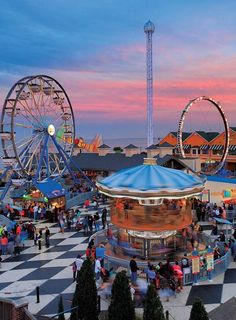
78, 199
220, 266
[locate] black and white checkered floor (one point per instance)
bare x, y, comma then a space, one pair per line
51, 270
48, 268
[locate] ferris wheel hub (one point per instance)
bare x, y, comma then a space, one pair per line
51, 130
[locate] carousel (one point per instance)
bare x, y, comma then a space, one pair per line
150, 210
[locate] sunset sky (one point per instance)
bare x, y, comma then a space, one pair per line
96, 50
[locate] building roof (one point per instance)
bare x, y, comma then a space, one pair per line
208, 136
185, 135
116, 161
224, 311
104, 146
109, 162
131, 146
166, 145
233, 128
152, 147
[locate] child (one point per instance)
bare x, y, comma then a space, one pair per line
74, 269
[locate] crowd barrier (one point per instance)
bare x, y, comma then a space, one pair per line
220, 266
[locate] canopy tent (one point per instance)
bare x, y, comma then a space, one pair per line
50, 188
228, 201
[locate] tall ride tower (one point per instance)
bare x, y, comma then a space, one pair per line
149, 28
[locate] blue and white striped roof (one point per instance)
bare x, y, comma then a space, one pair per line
151, 181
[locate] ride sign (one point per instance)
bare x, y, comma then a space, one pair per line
195, 265
210, 261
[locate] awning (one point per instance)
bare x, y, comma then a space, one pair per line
50, 188
228, 201
185, 146
224, 221
204, 147
216, 147
232, 147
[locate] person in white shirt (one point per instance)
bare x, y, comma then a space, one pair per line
35, 208
79, 261
97, 268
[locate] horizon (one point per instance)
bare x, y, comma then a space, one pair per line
97, 53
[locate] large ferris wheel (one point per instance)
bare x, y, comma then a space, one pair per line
37, 130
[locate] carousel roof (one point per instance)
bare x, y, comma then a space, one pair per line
151, 181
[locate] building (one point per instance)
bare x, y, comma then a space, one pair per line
207, 146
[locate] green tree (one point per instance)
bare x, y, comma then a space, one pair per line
152, 308
121, 306
87, 292
117, 149
75, 302
198, 311
61, 309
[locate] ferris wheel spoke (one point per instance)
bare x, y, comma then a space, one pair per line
24, 152
22, 144
30, 161
28, 112
23, 125
39, 106
35, 105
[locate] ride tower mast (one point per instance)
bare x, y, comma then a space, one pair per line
149, 29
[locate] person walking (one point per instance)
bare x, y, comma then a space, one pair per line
97, 268
47, 235
133, 269
74, 269
4, 243
96, 221
79, 261
35, 209
104, 217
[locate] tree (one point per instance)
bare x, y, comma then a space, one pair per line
61, 309
121, 306
87, 292
152, 308
117, 149
75, 302
198, 311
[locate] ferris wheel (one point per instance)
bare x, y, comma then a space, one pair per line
214, 166
37, 130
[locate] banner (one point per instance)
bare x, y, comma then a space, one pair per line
195, 265
210, 261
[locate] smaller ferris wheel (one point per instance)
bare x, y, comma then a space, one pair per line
214, 166
37, 130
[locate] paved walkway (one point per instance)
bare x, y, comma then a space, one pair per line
50, 269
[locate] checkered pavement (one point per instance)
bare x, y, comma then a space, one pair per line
49, 268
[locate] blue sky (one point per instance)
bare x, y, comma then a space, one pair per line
96, 50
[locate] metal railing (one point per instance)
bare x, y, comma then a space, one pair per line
78, 199
220, 266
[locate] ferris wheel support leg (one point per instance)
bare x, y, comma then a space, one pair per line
66, 159
46, 161
83, 174
6, 189
4, 172
41, 157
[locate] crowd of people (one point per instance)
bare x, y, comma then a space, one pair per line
206, 211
